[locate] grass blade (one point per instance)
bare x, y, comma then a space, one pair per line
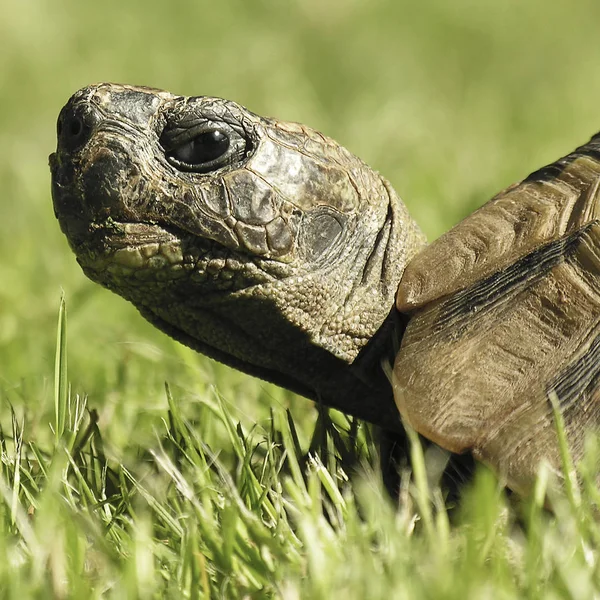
61, 392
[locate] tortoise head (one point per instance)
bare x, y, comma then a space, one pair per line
205, 167
261, 243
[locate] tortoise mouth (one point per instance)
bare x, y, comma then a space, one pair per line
131, 245
133, 257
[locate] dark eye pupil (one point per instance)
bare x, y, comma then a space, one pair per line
203, 149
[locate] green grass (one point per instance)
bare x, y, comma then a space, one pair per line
111, 485
175, 518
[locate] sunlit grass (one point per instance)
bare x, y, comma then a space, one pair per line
173, 518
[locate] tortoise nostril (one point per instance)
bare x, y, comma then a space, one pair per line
74, 127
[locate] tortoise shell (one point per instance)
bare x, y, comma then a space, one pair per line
505, 317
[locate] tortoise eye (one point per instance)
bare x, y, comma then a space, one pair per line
204, 147
203, 151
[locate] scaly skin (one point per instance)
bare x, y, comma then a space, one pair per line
505, 316
282, 261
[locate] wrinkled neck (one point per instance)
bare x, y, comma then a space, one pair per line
366, 288
366, 329
362, 388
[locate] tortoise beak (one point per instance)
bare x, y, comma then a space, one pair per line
92, 155
75, 127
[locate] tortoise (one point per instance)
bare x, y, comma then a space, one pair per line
271, 248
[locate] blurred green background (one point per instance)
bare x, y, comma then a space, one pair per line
449, 100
